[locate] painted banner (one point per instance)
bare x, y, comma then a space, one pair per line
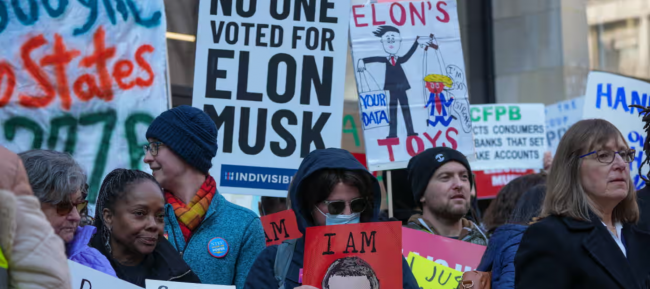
489, 182
431, 275
560, 117
608, 97
280, 226
87, 278
155, 284
84, 79
354, 256
459, 255
508, 136
411, 80
271, 76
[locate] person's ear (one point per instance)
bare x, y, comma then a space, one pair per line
108, 217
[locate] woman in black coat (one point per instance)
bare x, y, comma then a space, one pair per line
587, 237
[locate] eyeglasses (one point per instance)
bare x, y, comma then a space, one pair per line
607, 156
63, 209
337, 207
152, 147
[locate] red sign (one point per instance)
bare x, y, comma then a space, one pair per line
354, 256
489, 183
280, 226
458, 255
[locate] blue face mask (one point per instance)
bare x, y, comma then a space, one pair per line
340, 219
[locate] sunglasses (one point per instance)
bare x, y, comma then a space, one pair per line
337, 207
63, 209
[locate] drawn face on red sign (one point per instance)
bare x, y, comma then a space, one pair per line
353, 256
279, 227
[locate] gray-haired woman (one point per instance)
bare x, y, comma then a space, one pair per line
60, 184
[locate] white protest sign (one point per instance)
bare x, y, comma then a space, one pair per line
410, 73
608, 97
155, 284
560, 117
83, 79
508, 136
87, 278
271, 75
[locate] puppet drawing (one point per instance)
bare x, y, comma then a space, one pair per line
440, 106
350, 272
395, 80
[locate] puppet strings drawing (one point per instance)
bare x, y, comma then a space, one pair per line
350, 272
441, 86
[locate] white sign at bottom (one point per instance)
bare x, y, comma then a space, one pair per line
155, 284
87, 278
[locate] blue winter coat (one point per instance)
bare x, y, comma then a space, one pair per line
79, 251
499, 257
261, 275
239, 227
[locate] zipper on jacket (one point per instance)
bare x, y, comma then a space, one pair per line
181, 276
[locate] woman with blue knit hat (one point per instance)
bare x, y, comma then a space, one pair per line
219, 240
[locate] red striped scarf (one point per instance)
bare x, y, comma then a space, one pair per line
190, 216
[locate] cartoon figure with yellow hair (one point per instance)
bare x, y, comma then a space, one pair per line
436, 84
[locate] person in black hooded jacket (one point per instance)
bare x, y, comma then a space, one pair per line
324, 175
129, 218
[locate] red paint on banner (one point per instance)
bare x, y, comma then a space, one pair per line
368, 245
389, 143
37, 73
489, 183
279, 227
60, 59
356, 16
454, 254
6, 70
399, 13
99, 59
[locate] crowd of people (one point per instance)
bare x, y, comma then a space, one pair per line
578, 224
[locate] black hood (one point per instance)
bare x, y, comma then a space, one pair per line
328, 159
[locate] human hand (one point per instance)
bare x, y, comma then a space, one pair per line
361, 66
548, 161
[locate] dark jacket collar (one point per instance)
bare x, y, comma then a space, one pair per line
630, 272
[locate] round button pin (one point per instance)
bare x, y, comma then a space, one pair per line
218, 247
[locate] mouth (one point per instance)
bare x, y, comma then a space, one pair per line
617, 180
148, 241
458, 197
155, 169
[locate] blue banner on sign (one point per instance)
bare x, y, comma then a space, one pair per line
256, 177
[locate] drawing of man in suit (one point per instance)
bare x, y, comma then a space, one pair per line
395, 81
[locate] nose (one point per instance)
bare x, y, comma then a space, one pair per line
152, 224
148, 158
619, 163
74, 215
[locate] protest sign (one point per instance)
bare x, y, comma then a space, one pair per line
271, 76
83, 79
280, 226
508, 136
560, 117
489, 182
87, 278
335, 256
461, 256
155, 284
431, 275
608, 97
411, 80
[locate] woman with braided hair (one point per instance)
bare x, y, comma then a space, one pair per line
130, 218
643, 195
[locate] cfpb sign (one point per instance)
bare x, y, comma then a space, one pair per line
256, 177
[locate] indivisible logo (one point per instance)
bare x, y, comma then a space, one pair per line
256, 177
440, 158
218, 247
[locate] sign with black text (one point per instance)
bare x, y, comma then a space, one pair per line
508, 136
88, 278
155, 284
271, 75
279, 227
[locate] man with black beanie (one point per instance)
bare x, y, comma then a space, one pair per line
441, 180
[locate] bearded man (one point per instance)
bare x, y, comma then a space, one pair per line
441, 181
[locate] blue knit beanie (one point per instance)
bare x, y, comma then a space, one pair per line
189, 132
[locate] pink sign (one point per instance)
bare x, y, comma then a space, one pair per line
454, 254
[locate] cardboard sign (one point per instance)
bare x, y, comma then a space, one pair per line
86, 79
508, 136
279, 227
560, 117
155, 284
490, 182
87, 278
354, 256
431, 275
271, 76
459, 255
608, 96
411, 80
